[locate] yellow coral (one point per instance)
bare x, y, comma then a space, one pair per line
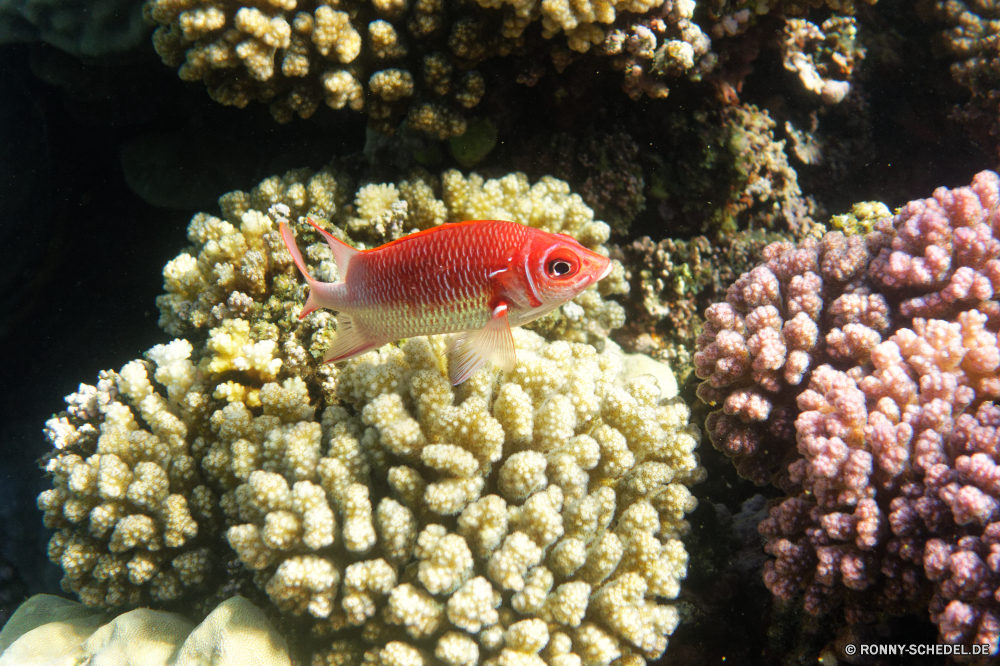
232, 348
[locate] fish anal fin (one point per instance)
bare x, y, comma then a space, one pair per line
472, 350
342, 252
350, 342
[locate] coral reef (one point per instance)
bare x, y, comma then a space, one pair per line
735, 176
603, 167
379, 57
453, 488
48, 629
421, 60
132, 514
761, 343
713, 238
671, 282
650, 50
393, 59
877, 356
538, 512
823, 56
555, 484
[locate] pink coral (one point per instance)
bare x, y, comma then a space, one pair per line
759, 346
947, 247
894, 479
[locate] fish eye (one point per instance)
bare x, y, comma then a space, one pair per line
559, 268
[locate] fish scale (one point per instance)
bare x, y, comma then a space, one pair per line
392, 298
476, 278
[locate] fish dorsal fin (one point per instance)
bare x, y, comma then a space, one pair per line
349, 341
342, 252
471, 350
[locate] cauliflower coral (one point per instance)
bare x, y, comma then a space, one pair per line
528, 516
866, 369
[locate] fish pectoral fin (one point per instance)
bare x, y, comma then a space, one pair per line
470, 351
349, 341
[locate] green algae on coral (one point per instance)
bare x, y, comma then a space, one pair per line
472, 147
861, 219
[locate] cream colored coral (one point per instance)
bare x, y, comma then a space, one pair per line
423, 209
372, 200
484, 524
474, 605
396, 653
334, 35
364, 583
385, 41
124, 513
51, 630
342, 89
457, 649
588, 445
449, 459
539, 517
173, 367
568, 604
280, 53
414, 610
578, 20
595, 646
437, 120
397, 529
46, 627
391, 84
304, 584
509, 564
445, 560
529, 599
235, 632
642, 623
522, 474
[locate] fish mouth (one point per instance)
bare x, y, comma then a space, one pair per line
606, 272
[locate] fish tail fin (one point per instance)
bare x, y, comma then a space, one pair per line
350, 342
342, 252
293, 249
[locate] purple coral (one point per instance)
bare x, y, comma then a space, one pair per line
758, 347
946, 247
894, 478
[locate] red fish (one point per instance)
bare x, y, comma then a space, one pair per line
474, 278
